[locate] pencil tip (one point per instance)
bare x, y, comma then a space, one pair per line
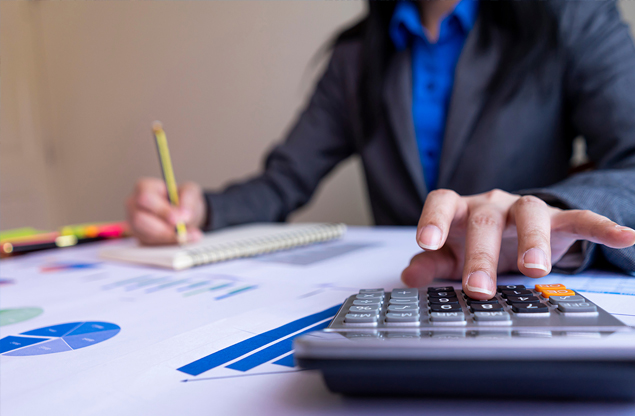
157, 126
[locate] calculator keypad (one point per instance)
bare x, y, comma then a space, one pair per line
437, 307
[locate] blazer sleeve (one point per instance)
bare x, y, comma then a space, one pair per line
320, 138
600, 89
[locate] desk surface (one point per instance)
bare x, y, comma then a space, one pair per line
168, 320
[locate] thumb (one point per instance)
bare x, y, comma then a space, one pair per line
429, 265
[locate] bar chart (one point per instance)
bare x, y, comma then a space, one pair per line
249, 354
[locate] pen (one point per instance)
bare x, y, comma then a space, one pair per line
168, 176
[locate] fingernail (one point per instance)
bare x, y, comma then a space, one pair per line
623, 228
480, 282
535, 258
430, 237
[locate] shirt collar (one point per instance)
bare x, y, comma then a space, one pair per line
405, 21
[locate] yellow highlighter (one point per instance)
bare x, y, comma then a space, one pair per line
168, 176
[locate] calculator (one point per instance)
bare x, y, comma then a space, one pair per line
542, 342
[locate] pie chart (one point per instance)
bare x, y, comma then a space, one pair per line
58, 338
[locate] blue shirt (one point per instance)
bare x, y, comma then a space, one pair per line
433, 67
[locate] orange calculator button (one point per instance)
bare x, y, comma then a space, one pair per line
557, 292
540, 288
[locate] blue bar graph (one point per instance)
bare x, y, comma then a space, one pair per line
244, 347
271, 352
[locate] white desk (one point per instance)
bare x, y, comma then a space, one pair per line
170, 319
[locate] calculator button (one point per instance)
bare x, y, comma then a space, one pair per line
486, 307
557, 292
371, 291
447, 317
365, 309
402, 317
577, 307
363, 302
510, 287
370, 296
405, 294
445, 308
481, 316
520, 292
446, 294
407, 301
441, 289
529, 307
403, 308
471, 301
358, 318
441, 301
522, 299
554, 300
540, 288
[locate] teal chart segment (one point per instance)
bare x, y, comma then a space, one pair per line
58, 338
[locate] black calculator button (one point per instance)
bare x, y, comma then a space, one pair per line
442, 294
441, 289
520, 292
471, 301
486, 307
522, 299
403, 308
405, 294
440, 301
445, 308
510, 287
481, 316
529, 307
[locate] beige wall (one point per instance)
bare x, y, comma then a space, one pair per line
81, 83
226, 78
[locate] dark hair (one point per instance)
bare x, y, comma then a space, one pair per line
529, 28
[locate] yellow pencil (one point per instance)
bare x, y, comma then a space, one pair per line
168, 176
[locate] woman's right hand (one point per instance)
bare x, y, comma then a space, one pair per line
153, 219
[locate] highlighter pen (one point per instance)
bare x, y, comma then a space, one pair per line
168, 176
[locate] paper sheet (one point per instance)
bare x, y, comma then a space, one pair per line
210, 340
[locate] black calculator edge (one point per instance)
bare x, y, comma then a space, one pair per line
580, 380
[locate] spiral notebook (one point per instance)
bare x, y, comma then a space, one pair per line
227, 244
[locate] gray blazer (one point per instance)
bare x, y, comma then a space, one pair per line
521, 145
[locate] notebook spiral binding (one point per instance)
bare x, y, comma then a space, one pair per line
250, 247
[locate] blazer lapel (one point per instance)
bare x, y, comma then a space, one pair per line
471, 77
398, 99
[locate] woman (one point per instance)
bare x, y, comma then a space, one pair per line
447, 98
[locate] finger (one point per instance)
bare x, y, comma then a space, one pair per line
429, 265
439, 210
587, 225
194, 234
190, 195
532, 217
482, 248
151, 230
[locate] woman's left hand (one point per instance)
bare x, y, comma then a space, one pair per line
475, 237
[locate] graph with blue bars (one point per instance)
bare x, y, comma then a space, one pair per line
249, 354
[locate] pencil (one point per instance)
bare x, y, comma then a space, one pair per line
168, 176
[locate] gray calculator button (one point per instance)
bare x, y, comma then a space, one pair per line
577, 307
491, 316
364, 302
355, 318
405, 293
402, 317
403, 308
370, 296
371, 291
555, 300
447, 316
365, 309
407, 301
